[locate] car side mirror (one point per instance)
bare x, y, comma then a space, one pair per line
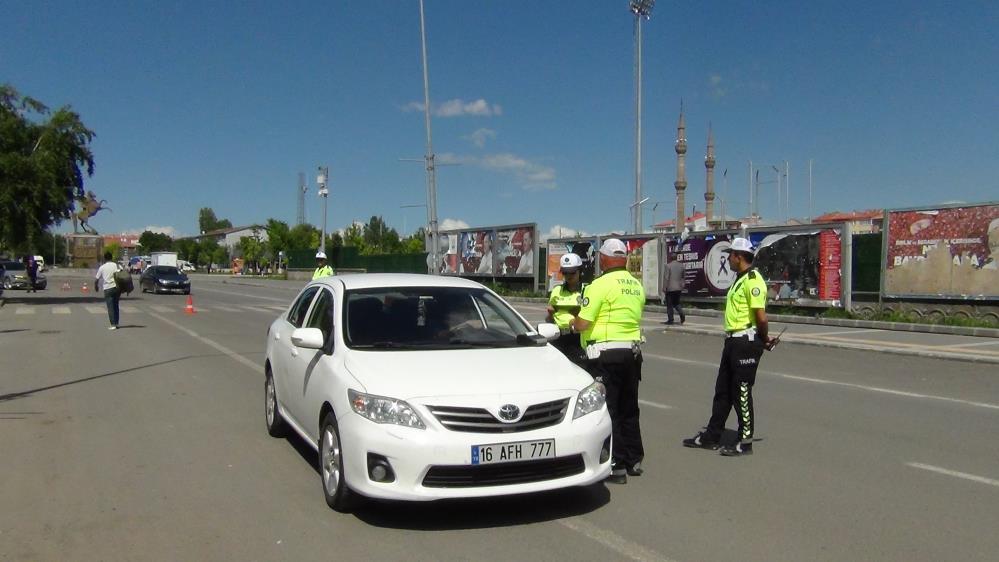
308, 338
549, 331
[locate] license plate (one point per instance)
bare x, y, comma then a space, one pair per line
510, 452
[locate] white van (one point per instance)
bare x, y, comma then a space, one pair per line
41, 263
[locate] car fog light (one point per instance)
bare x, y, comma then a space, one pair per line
379, 468
605, 451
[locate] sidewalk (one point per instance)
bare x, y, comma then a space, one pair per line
980, 345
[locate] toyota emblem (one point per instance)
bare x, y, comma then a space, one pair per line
509, 412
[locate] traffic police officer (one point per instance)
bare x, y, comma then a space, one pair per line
609, 323
745, 339
564, 305
322, 270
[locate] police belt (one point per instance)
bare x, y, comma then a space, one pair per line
605, 345
749, 333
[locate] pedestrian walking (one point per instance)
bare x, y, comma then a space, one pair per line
32, 266
322, 270
609, 322
104, 280
564, 304
673, 285
746, 336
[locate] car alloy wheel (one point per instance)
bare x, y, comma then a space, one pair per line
338, 495
275, 423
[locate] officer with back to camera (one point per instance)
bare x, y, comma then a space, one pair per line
322, 270
610, 326
746, 336
564, 304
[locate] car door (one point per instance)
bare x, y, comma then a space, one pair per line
283, 359
309, 367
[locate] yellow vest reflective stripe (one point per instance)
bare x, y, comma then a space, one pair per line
324, 271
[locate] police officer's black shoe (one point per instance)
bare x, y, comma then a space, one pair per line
737, 450
618, 475
701, 441
635, 469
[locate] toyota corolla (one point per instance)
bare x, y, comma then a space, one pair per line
412, 387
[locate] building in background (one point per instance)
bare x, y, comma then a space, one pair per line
861, 222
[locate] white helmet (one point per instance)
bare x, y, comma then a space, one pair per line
320, 255
570, 263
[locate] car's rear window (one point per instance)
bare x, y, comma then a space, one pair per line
167, 270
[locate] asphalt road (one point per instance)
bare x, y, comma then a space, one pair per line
148, 443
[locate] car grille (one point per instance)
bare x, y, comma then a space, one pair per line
503, 474
479, 420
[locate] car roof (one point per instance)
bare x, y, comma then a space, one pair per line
375, 280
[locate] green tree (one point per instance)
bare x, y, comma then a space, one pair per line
220, 257
303, 237
207, 221
155, 242
278, 235
353, 237
415, 244
44, 157
115, 249
206, 252
251, 249
186, 249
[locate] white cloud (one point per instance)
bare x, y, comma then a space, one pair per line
531, 175
458, 108
560, 231
452, 224
718, 89
480, 137
168, 230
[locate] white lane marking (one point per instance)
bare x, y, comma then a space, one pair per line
993, 342
24, 310
233, 293
655, 405
954, 473
225, 350
838, 383
94, 309
275, 307
227, 308
853, 331
60, 310
161, 308
612, 540
130, 309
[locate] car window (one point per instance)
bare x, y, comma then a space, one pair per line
297, 314
167, 270
322, 314
425, 317
14, 266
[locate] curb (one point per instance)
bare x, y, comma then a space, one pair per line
840, 322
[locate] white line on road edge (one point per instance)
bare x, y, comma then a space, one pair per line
612, 540
655, 405
225, 350
954, 473
838, 383
235, 294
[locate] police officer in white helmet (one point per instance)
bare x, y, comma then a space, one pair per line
322, 270
564, 304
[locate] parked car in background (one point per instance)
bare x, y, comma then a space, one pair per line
185, 266
138, 264
41, 263
413, 387
164, 279
15, 276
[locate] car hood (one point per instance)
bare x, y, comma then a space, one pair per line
411, 375
169, 277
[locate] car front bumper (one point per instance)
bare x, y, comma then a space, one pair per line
446, 456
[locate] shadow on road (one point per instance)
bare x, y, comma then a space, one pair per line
25, 393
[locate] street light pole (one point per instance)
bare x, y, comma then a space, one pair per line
641, 9
322, 180
429, 158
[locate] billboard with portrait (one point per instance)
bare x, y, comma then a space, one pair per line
494, 251
515, 251
475, 252
944, 252
585, 248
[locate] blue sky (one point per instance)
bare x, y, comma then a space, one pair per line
212, 104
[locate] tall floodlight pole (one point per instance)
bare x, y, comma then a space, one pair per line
809, 190
642, 9
322, 179
429, 158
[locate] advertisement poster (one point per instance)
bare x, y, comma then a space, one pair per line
830, 254
950, 253
638, 249
515, 251
705, 265
475, 252
449, 253
585, 248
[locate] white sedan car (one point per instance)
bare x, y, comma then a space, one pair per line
413, 387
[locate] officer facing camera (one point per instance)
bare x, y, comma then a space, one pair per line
322, 270
609, 323
746, 337
564, 305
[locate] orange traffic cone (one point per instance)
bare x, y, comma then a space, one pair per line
189, 309
84, 289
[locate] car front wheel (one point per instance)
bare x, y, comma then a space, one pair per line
276, 426
338, 495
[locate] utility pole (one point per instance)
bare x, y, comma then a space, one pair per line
642, 9
429, 158
809, 190
322, 179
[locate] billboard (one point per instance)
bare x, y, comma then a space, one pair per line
585, 248
496, 251
643, 262
947, 252
800, 267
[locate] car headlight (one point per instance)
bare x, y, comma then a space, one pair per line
590, 399
380, 409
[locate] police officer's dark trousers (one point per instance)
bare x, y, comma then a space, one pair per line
569, 345
734, 387
621, 370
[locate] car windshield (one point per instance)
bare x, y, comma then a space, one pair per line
430, 318
166, 270
13, 266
